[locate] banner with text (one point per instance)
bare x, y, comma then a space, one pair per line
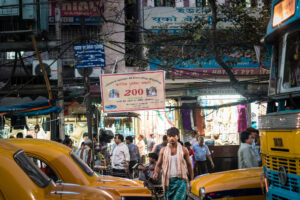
133, 91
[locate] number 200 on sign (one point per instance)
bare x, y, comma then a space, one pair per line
134, 92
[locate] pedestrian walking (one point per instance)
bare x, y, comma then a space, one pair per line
191, 152
133, 152
85, 135
195, 136
150, 143
141, 145
246, 155
255, 144
172, 159
80, 151
39, 134
160, 146
88, 158
201, 154
120, 157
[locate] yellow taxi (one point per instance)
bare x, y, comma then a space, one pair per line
22, 179
64, 165
241, 184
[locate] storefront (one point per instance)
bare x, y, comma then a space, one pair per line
127, 123
27, 117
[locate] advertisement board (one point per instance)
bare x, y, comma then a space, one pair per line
133, 91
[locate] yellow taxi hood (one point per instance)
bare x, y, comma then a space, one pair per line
117, 181
74, 191
126, 187
237, 179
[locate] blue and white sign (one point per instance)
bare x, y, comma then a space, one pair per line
89, 55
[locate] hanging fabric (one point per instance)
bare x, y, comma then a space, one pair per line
186, 119
199, 120
242, 118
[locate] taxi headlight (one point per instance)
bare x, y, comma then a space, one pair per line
202, 192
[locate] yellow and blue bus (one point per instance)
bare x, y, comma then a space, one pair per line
280, 127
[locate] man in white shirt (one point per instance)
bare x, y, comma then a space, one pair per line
40, 134
246, 155
141, 145
120, 157
195, 136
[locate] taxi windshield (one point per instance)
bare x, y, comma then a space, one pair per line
82, 164
34, 173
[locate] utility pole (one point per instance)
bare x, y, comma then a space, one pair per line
60, 83
140, 20
86, 80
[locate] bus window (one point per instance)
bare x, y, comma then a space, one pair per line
274, 71
291, 76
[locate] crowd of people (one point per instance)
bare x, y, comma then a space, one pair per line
170, 163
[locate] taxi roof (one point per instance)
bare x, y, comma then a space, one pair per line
42, 145
7, 148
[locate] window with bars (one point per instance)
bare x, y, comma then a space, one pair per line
201, 3
166, 3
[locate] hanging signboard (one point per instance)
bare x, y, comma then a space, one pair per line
133, 91
89, 55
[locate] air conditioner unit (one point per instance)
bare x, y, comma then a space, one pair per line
93, 72
50, 66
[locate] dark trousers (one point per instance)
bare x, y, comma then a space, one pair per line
201, 167
131, 164
119, 173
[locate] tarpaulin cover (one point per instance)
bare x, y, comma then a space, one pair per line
30, 109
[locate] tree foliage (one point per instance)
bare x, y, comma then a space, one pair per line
225, 33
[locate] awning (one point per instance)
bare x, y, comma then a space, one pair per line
30, 109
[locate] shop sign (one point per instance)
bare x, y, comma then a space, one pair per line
156, 18
75, 20
89, 55
78, 8
212, 91
133, 91
213, 72
71, 11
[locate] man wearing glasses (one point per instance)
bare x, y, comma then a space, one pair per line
120, 157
